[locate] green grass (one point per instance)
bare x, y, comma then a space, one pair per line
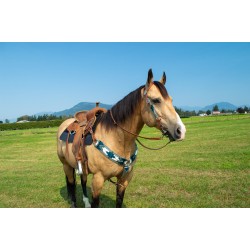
209, 169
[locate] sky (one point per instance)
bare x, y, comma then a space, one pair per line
50, 77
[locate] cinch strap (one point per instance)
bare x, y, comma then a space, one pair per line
114, 157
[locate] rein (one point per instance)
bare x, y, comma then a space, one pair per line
158, 119
129, 132
153, 148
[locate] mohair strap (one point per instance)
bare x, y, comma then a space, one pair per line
115, 157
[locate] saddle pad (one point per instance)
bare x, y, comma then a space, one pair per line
64, 136
88, 139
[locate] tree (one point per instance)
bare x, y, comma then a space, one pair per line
1, 122
183, 113
7, 121
240, 110
22, 118
246, 109
216, 108
208, 112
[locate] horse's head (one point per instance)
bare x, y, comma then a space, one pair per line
158, 111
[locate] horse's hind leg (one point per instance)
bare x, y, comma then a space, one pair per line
84, 190
71, 183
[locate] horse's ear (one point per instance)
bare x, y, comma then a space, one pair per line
150, 77
163, 79
149, 80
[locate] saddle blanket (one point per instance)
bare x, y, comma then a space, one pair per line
64, 136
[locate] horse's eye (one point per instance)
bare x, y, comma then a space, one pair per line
155, 101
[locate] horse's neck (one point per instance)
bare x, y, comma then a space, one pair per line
133, 124
120, 141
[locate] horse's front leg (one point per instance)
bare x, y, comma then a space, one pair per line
122, 184
120, 191
97, 184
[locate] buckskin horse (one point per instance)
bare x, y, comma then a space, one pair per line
112, 151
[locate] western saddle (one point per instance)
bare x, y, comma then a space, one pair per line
81, 128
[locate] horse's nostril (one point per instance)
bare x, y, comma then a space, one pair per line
178, 131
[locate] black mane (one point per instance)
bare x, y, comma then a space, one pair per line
126, 107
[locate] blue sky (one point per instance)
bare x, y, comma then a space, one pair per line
37, 77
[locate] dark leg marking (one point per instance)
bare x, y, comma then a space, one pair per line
84, 186
119, 197
71, 188
95, 202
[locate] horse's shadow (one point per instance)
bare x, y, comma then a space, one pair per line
105, 201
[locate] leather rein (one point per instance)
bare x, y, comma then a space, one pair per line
158, 119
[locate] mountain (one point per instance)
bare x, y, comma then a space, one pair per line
221, 105
81, 106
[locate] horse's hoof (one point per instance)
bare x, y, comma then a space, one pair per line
73, 205
86, 202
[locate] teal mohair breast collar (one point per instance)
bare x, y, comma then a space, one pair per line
116, 158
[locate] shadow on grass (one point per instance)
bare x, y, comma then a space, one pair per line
105, 201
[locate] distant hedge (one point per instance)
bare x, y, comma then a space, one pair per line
29, 125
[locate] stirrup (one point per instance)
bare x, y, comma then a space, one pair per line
79, 168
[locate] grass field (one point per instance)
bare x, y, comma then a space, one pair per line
209, 169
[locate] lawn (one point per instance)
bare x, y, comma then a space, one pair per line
210, 168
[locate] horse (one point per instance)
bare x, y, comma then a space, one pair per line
114, 153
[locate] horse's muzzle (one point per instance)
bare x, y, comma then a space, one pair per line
178, 134
166, 133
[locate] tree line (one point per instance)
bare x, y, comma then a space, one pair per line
6, 121
34, 118
45, 117
184, 114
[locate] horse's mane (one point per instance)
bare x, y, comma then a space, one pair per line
126, 107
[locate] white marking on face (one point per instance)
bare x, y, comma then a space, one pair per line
181, 127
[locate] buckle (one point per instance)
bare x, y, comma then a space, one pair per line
127, 163
96, 143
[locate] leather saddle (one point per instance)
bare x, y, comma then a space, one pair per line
81, 133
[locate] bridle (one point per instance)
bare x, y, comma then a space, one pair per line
152, 108
158, 120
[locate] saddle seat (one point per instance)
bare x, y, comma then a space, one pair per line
81, 116
85, 116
